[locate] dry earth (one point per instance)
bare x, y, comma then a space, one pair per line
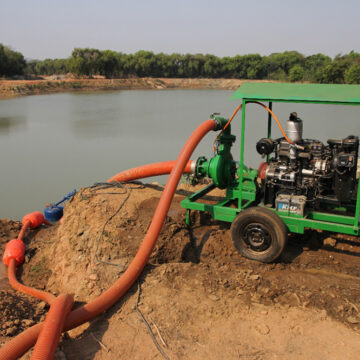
201, 299
51, 85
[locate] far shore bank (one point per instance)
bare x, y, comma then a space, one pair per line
14, 88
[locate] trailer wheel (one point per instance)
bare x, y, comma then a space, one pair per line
259, 234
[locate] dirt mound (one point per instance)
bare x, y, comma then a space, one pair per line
101, 232
18, 313
199, 296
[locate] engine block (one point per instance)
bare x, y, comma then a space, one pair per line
307, 168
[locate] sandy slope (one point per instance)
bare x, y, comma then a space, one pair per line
202, 299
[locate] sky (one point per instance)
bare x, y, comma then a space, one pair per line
42, 29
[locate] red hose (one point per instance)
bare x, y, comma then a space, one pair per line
14, 256
21, 343
42, 295
52, 328
25, 226
141, 172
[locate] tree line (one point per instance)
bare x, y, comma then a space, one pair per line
285, 66
11, 62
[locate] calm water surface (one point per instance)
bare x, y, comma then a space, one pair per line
52, 144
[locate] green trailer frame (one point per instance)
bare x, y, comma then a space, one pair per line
243, 191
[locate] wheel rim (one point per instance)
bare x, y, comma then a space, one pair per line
256, 237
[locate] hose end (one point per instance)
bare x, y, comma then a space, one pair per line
15, 249
193, 166
220, 122
219, 125
35, 219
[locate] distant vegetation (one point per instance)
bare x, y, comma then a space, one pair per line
11, 62
286, 66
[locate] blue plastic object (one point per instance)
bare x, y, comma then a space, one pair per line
54, 212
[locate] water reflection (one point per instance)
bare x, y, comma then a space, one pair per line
72, 140
10, 123
98, 123
95, 115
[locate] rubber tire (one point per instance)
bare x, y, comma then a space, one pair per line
269, 221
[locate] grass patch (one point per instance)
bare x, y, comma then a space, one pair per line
41, 269
76, 85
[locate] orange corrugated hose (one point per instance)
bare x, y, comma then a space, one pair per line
24, 228
23, 342
42, 295
13, 256
52, 328
142, 172
29, 221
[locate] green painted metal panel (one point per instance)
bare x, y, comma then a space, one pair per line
218, 212
357, 209
335, 218
313, 93
299, 224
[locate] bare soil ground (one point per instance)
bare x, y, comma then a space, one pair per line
50, 85
201, 299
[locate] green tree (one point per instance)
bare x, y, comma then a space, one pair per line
60, 66
237, 67
11, 62
30, 67
254, 66
85, 61
352, 75
281, 63
212, 66
333, 73
286, 66
78, 66
127, 64
144, 63
314, 66
167, 65
191, 66
109, 63
296, 73
279, 75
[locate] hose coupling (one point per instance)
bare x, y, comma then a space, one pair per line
220, 122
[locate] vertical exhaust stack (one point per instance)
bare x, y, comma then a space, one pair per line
294, 128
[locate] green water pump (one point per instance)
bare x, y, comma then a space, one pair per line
221, 168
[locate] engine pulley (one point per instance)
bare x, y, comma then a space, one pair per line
265, 146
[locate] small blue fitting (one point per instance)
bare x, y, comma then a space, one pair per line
53, 213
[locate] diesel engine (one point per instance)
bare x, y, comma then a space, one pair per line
306, 172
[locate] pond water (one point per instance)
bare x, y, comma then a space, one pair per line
53, 144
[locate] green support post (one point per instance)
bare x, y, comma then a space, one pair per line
269, 121
242, 149
269, 128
